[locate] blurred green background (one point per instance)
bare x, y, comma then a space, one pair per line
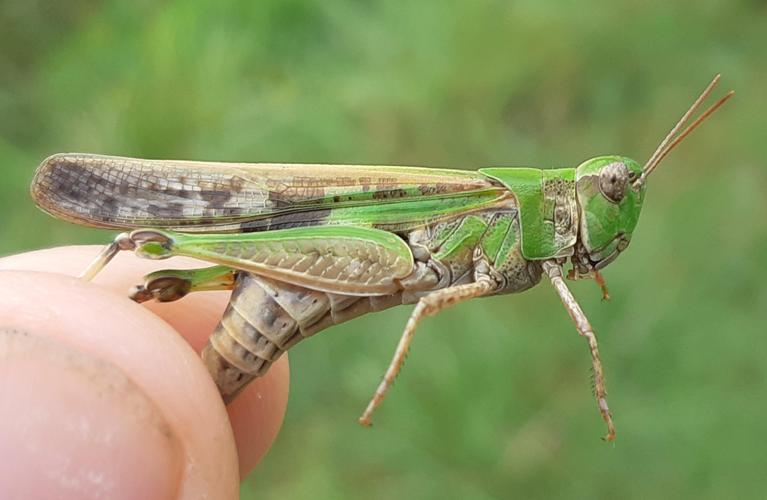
495, 399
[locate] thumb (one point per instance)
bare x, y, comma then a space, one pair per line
99, 398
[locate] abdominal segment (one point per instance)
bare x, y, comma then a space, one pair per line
265, 318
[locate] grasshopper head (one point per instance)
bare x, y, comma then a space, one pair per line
611, 189
609, 199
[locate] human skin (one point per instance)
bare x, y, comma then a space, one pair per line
101, 397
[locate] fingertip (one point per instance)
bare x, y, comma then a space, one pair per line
257, 414
76, 426
118, 333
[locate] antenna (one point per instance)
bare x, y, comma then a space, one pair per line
672, 139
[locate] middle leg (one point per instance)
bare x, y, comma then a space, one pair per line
427, 306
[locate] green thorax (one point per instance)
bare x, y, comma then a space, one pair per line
548, 210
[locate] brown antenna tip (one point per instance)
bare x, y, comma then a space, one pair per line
672, 139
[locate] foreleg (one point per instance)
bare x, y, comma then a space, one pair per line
554, 272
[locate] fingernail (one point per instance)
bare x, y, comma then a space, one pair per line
75, 426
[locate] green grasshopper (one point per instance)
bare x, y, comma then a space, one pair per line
304, 247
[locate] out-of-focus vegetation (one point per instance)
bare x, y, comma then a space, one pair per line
495, 400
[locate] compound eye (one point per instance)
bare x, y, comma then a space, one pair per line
613, 180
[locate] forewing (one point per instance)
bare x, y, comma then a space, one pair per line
188, 196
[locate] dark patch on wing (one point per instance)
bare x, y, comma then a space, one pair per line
236, 183
388, 194
216, 197
286, 221
168, 209
110, 203
434, 189
65, 184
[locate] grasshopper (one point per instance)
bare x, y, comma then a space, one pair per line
304, 247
